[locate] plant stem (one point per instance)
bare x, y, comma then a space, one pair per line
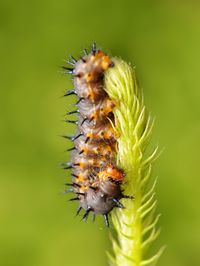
134, 225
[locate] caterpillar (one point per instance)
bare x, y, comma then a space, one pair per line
96, 179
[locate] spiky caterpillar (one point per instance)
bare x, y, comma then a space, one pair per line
97, 180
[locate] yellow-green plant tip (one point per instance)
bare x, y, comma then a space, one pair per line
136, 224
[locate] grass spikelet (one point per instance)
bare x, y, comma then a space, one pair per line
136, 224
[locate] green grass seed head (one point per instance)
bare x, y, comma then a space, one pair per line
136, 224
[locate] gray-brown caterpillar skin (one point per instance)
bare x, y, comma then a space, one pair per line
97, 180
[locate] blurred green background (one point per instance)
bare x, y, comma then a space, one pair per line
162, 38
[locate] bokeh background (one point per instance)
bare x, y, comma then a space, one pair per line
162, 38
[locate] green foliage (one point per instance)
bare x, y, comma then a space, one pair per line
136, 224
